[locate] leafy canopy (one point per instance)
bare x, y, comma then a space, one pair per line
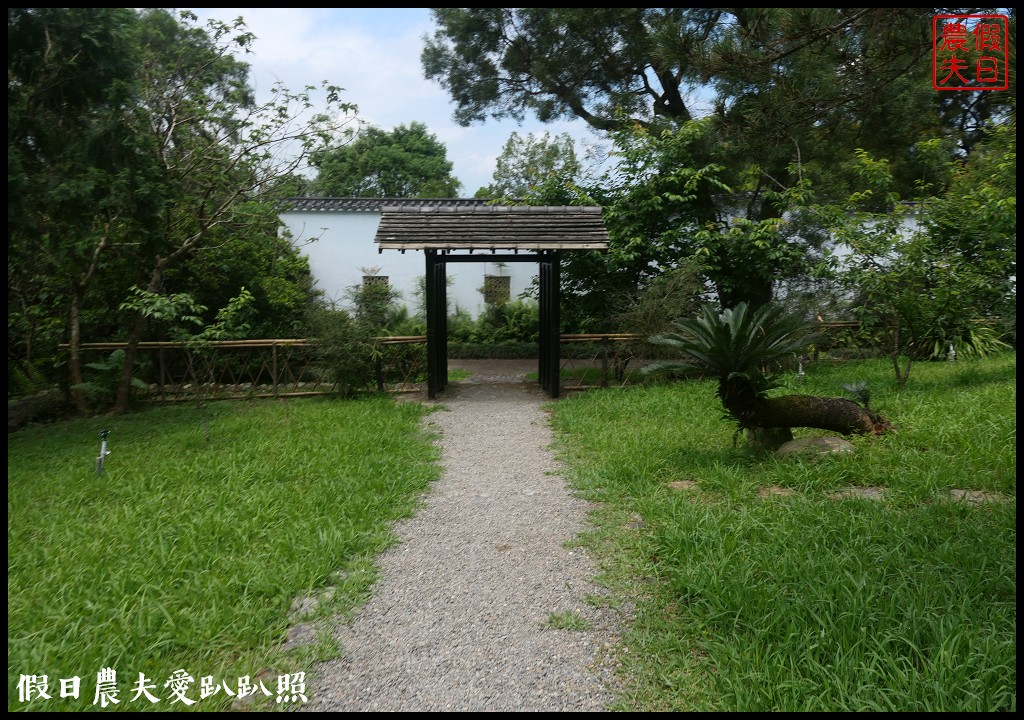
941, 271
407, 162
783, 96
528, 163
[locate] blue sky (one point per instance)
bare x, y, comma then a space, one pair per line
375, 55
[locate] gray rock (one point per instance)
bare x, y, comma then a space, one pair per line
815, 446
867, 493
301, 634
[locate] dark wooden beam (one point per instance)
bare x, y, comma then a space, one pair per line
550, 360
483, 257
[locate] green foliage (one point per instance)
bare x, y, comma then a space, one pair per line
502, 331
508, 350
406, 162
374, 305
401, 322
102, 386
720, 180
738, 345
654, 203
656, 306
976, 220
180, 311
346, 347
781, 87
666, 207
26, 379
920, 289
135, 145
227, 152
759, 259
171, 309
978, 341
511, 323
347, 340
81, 179
738, 341
275, 272
527, 164
231, 323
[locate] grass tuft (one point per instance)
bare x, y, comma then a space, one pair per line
568, 620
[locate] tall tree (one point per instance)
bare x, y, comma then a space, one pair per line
788, 93
135, 148
527, 163
80, 179
221, 154
406, 162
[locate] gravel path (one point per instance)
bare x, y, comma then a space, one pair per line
458, 618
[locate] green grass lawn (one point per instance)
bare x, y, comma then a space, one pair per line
757, 586
188, 555
591, 376
753, 587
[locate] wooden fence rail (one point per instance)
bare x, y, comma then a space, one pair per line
290, 367
278, 367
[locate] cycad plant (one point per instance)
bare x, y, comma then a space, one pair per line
739, 345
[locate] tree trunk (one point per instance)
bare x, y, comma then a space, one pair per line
74, 353
768, 420
825, 413
78, 289
122, 400
904, 375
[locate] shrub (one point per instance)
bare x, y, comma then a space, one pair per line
346, 347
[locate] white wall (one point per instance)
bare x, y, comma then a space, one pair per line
339, 244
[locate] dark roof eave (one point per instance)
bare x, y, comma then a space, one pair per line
350, 204
492, 228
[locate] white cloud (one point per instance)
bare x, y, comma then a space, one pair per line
375, 55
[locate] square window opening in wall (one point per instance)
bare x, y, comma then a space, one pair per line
497, 289
372, 280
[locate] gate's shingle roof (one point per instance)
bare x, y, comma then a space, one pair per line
491, 227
